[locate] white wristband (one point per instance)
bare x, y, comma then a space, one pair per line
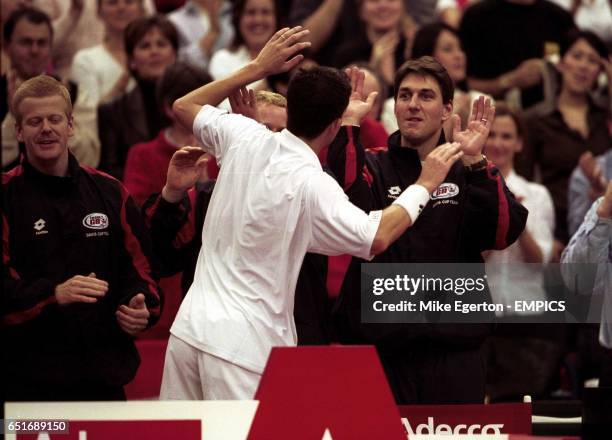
413, 200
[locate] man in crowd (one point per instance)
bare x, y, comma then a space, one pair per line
470, 212
28, 40
592, 244
77, 284
272, 203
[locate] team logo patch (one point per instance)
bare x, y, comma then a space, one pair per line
394, 191
445, 191
95, 220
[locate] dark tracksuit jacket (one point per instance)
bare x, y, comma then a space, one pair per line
482, 215
54, 228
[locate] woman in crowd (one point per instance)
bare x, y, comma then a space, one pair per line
570, 124
442, 42
524, 363
151, 45
254, 21
381, 42
101, 71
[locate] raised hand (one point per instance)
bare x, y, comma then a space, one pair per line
358, 107
473, 138
437, 164
279, 53
243, 102
134, 317
79, 288
184, 170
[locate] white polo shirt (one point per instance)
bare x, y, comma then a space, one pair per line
271, 204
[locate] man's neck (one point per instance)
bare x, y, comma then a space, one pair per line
423, 148
57, 168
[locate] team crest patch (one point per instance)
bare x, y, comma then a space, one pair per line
96, 220
445, 191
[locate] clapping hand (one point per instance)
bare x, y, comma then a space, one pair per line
134, 317
473, 138
280, 53
243, 102
184, 170
358, 107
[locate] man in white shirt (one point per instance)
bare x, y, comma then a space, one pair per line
272, 203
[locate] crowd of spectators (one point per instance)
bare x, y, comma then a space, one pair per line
547, 64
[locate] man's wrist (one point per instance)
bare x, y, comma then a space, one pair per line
474, 162
351, 121
172, 195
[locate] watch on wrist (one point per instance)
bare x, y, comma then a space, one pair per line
478, 166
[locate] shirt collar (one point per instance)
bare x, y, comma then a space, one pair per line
289, 139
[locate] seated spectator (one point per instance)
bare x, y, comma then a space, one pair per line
519, 35
28, 40
147, 162
77, 279
204, 27
591, 244
151, 45
102, 71
381, 41
255, 21
572, 125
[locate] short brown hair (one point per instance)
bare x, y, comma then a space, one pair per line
266, 97
40, 86
426, 66
502, 109
141, 26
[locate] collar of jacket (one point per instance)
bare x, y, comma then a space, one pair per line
54, 184
395, 147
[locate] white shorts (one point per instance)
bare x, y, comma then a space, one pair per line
191, 374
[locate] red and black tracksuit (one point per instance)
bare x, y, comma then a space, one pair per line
425, 363
54, 228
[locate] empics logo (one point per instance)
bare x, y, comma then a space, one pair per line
95, 220
430, 428
445, 191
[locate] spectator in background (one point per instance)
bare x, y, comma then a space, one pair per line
534, 245
587, 184
519, 35
204, 27
102, 70
254, 21
147, 162
381, 41
76, 25
28, 40
77, 278
151, 45
572, 125
591, 15
519, 363
591, 244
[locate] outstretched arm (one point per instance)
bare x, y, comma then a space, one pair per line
278, 55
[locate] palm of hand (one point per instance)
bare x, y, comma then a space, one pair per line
473, 138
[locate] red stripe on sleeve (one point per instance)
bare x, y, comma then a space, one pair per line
503, 212
26, 315
187, 231
350, 172
6, 258
148, 213
132, 245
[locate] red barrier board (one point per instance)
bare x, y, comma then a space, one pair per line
338, 391
502, 418
126, 429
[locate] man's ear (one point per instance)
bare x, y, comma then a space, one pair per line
448, 111
18, 132
70, 126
